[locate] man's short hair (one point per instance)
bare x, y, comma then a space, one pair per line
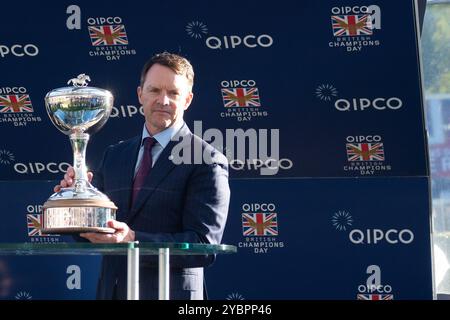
176, 63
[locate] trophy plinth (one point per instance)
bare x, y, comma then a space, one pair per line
78, 111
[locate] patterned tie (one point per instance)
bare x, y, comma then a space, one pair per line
144, 168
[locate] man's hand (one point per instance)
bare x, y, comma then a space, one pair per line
123, 234
68, 179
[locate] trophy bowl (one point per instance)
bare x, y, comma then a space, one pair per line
78, 111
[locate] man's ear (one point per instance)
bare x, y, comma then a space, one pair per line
139, 93
189, 98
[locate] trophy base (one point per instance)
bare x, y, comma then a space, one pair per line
76, 230
65, 216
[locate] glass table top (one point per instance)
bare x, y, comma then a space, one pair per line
145, 248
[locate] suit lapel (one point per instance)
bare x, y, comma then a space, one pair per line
163, 166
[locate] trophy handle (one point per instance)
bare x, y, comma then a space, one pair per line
79, 143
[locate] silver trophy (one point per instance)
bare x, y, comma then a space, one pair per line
78, 111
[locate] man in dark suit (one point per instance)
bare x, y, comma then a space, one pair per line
183, 202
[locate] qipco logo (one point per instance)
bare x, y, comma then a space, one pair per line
362, 104
38, 167
350, 10
375, 288
238, 83
375, 236
13, 90
37, 208
126, 111
232, 42
103, 20
19, 50
359, 139
270, 166
255, 207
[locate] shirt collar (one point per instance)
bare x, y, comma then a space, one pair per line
163, 137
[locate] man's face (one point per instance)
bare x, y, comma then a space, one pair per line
164, 97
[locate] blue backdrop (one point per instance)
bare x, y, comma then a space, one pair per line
338, 82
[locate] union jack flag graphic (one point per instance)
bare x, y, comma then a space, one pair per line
15, 103
375, 297
241, 97
365, 151
110, 35
352, 25
34, 224
259, 224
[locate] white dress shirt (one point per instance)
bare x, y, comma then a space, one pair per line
162, 140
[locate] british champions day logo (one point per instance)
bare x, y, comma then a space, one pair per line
260, 227
34, 226
241, 100
16, 108
109, 38
354, 28
365, 155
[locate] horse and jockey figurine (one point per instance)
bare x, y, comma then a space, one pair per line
80, 81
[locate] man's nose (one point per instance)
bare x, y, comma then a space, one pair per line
164, 99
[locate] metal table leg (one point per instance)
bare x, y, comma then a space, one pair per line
133, 272
164, 269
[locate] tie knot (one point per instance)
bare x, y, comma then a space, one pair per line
149, 142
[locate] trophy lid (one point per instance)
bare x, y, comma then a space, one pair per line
79, 108
78, 91
79, 87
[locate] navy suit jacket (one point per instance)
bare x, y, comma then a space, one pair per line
179, 203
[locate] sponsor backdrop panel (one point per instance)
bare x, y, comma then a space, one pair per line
39, 277
331, 88
326, 239
312, 239
310, 74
